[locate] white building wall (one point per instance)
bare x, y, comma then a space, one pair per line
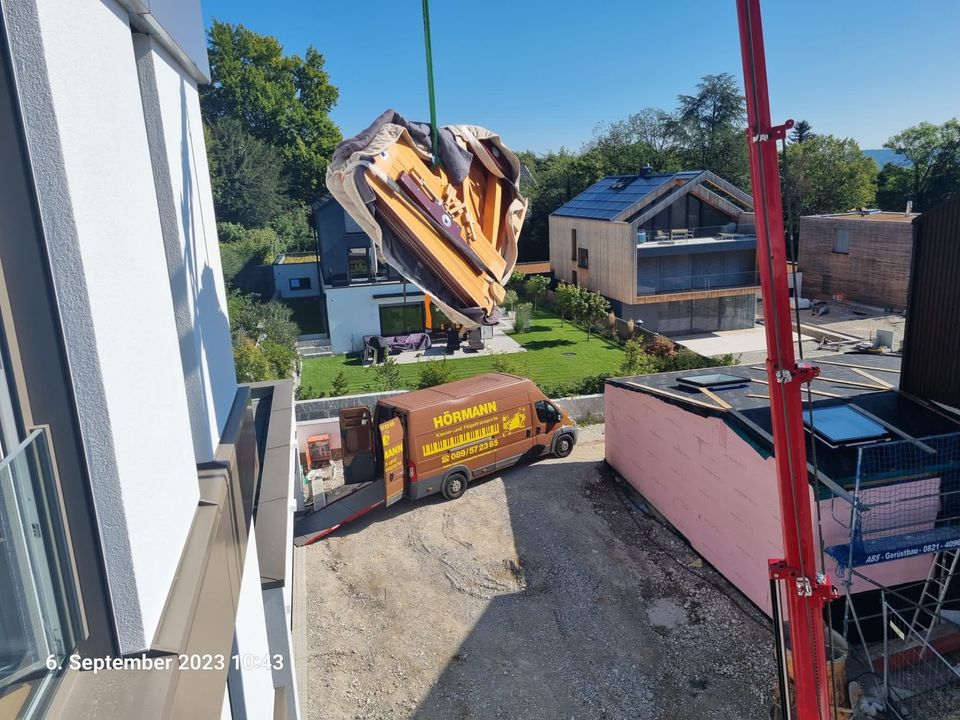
353, 312
175, 131
283, 272
88, 145
251, 688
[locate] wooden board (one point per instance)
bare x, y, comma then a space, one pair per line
675, 396
851, 365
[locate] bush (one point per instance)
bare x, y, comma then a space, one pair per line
514, 364
308, 392
635, 359
240, 247
339, 385
684, 359
387, 375
249, 360
523, 314
661, 347
282, 359
434, 373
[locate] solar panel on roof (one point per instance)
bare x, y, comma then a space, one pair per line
842, 425
610, 196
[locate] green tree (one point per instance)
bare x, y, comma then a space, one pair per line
801, 131
264, 338
284, 100
709, 127
932, 173
240, 247
510, 298
536, 286
245, 175
387, 375
339, 385
592, 311
826, 174
568, 298
434, 373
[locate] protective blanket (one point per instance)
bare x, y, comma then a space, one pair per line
451, 230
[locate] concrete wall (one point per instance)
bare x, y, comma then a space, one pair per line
875, 272
718, 491
322, 408
354, 311
175, 132
283, 272
88, 145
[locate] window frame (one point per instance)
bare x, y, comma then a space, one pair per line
583, 258
841, 241
302, 283
573, 244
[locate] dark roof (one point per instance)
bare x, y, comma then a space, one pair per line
750, 416
610, 196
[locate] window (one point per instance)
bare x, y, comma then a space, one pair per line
575, 281
713, 380
546, 412
300, 283
573, 244
583, 258
358, 264
401, 319
842, 425
841, 241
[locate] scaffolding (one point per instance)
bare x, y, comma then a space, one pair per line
905, 503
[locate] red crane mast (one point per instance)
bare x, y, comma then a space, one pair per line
807, 592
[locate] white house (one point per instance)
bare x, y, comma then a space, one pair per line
362, 294
131, 459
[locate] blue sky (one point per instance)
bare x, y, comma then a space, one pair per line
544, 74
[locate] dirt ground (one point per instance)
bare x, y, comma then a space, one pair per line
544, 593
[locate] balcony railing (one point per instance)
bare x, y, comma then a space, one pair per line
679, 236
686, 283
40, 620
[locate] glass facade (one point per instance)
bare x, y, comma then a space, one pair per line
401, 319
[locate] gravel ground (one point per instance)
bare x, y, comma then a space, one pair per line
543, 593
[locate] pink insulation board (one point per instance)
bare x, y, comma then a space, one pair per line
717, 490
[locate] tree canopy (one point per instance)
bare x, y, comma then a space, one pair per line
245, 174
826, 174
933, 171
284, 100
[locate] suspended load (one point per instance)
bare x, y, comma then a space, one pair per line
446, 218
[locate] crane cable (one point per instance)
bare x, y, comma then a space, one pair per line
434, 132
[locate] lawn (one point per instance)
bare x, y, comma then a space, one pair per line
307, 314
555, 356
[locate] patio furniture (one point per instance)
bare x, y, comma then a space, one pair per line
475, 340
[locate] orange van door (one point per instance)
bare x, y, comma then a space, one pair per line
516, 430
547, 419
391, 439
356, 439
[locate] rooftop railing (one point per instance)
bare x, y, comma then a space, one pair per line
713, 281
730, 231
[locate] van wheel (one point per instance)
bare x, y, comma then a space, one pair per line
454, 486
564, 446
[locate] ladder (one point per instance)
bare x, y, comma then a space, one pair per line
927, 616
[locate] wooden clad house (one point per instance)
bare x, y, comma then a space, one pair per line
861, 256
676, 251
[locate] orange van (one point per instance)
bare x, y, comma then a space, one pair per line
438, 440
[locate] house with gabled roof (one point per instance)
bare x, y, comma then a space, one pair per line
676, 251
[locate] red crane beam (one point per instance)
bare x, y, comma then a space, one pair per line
807, 592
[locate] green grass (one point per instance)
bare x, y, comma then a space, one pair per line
555, 356
307, 314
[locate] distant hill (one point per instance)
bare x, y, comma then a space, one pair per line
882, 156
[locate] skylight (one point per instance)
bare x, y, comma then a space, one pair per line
842, 425
713, 380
